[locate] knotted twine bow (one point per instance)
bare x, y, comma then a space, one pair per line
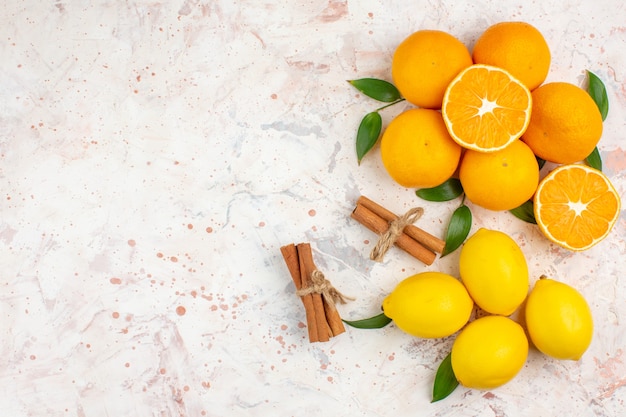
392, 234
320, 285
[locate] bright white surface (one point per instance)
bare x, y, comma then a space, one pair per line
154, 156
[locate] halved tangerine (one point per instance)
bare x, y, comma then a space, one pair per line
485, 108
576, 206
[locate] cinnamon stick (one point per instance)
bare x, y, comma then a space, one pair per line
379, 225
306, 268
292, 259
333, 318
323, 319
421, 236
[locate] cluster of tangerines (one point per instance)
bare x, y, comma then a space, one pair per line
488, 118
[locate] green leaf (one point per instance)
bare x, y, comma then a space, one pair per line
377, 89
445, 380
368, 133
597, 91
594, 160
458, 229
375, 322
525, 212
540, 162
447, 191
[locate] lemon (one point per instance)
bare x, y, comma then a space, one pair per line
489, 352
494, 271
429, 305
558, 319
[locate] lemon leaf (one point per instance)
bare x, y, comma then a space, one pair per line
458, 229
597, 91
540, 162
445, 380
368, 133
594, 160
375, 322
380, 90
525, 212
447, 191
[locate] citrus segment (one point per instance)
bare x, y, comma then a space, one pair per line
485, 108
576, 206
424, 64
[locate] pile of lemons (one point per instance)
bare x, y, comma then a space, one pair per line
492, 348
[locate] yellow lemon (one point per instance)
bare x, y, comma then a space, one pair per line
489, 352
558, 319
494, 271
429, 305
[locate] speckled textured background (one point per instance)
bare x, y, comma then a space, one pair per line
154, 156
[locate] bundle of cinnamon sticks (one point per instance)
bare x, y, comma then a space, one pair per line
415, 241
323, 320
316, 293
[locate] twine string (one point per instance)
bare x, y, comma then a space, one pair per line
389, 238
320, 285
